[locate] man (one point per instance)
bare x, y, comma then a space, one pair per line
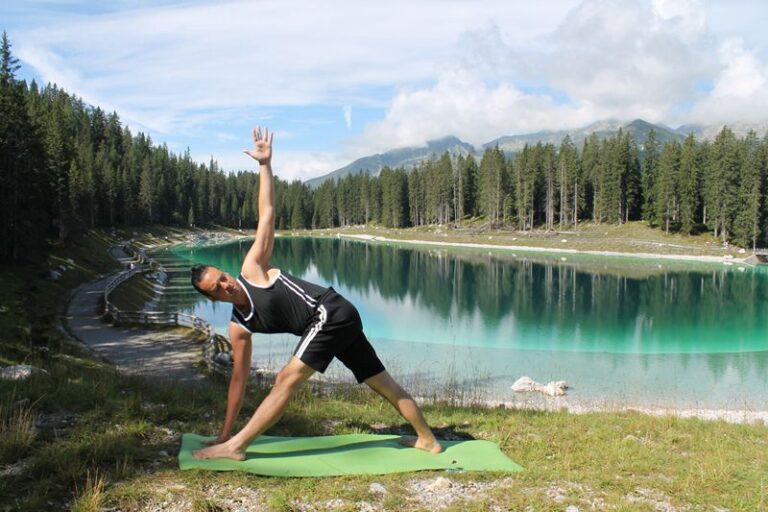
265, 299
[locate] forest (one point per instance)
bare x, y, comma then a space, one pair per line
66, 166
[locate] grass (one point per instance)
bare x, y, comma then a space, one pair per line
91, 498
17, 433
83, 437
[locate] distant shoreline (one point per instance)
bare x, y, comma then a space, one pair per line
225, 236
726, 259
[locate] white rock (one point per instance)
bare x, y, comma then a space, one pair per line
20, 372
571, 508
524, 384
377, 488
553, 388
440, 483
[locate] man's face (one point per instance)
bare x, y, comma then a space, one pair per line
219, 285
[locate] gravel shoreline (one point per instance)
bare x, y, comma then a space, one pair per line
726, 259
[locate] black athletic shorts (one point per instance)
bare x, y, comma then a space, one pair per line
337, 331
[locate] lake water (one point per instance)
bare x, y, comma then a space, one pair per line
619, 330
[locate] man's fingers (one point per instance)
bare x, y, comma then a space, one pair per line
258, 136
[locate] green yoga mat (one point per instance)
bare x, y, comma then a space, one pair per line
351, 454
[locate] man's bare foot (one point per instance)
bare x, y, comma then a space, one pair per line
219, 451
431, 445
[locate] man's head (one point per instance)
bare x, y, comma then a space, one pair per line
214, 283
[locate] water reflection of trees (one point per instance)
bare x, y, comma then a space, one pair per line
661, 306
549, 292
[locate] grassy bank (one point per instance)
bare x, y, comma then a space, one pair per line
83, 437
630, 238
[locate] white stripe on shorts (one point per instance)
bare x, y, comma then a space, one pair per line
312, 332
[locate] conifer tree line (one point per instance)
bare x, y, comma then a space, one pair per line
65, 166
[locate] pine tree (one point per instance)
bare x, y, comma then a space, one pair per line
468, 170
721, 175
666, 197
525, 177
590, 169
689, 184
549, 174
633, 183
746, 229
417, 195
567, 181
443, 189
148, 192
649, 176
491, 184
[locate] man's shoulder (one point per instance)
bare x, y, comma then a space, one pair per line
259, 277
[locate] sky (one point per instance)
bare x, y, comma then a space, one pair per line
338, 80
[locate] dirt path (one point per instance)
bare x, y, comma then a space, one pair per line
163, 353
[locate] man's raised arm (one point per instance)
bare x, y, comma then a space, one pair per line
256, 263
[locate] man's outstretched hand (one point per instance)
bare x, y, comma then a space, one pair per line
262, 146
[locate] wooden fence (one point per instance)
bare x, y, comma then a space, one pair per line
217, 352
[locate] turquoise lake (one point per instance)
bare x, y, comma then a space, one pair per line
621, 331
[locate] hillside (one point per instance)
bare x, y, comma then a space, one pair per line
604, 129
408, 157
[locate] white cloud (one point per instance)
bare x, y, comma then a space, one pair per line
688, 18
287, 165
625, 56
605, 59
740, 90
192, 69
463, 105
168, 60
302, 165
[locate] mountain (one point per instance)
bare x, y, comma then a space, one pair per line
604, 129
402, 157
510, 144
710, 132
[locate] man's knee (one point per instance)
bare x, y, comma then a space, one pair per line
292, 375
385, 385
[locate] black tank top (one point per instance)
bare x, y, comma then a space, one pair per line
287, 304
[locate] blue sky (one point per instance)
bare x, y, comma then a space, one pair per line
343, 79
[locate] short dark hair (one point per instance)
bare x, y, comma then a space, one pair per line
197, 272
